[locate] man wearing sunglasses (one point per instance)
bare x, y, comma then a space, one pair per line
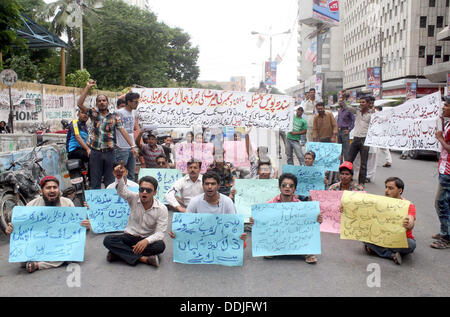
142, 239
288, 185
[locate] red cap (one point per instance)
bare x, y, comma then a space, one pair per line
47, 179
347, 165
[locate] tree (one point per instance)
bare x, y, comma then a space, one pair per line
9, 21
128, 46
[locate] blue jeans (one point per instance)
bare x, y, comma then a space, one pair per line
443, 205
387, 253
294, 146
126, 155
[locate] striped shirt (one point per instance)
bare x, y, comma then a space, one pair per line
103, 134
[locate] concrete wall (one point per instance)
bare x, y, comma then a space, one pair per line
38, 106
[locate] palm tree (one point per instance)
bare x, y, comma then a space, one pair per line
60, 10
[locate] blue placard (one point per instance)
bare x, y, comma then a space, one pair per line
208, 239
107, 212
166, 177
47, 234
286, 229
308, 178
327, 155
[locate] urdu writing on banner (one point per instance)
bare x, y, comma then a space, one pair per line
208, 239
308, 178
285, 229
374, 219
166, 177
47, 234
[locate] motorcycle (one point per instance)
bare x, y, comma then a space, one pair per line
78, 177
18, 187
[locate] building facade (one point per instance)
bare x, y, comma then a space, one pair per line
400, 34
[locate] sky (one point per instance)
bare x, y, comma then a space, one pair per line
222, 31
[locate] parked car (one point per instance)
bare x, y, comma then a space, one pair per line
415, 154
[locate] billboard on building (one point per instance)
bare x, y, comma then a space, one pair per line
313, 12
270, 77
373, 78
448, 84
411, 90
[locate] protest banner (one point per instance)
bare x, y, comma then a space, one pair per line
410, 126
374, 219
166, 177
107, 212
330, 203
253, 191
199, 151
47, 234
285, 229
208, 239
236, 153
308, 178
188, 107
327, 155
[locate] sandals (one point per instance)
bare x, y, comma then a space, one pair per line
311, 259
387, 165
153, 260
111, 257
31, 267
397, 258
440, 244
437, 236
368, 250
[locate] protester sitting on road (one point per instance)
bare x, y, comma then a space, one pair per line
211, 201
346, 176
226, 172
103, 138
261, 156
443, 195
151, 150
264, 171
310, 158
394, 187
142, 240
161, 162
188, 187
51, 196
129, 183
287, 183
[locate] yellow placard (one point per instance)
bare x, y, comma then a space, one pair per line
374, 219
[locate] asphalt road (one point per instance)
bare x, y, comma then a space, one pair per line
342, 269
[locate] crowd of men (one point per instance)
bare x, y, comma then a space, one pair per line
115, 142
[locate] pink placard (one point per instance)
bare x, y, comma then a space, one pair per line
200, 151
236, 153
330, 204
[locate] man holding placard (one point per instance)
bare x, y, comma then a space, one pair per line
394, 187
288, 183
346, 183
51, 197
142, 240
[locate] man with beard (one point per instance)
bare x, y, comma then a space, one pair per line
51, 197
103, 138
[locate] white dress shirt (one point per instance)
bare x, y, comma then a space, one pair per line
149, 224
187, 188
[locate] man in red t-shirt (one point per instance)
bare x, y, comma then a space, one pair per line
443, 198
394, 187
